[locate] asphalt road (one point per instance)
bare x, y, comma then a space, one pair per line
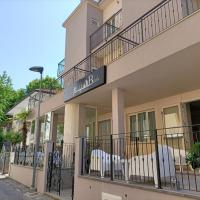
11, 190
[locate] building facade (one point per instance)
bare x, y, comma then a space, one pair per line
130, 102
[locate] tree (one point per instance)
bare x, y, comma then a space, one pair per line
12, 137
22, 116
9, 97
6, 95
47, 83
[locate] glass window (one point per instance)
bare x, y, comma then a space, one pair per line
142, 125
105, 128
171, 117
152, 124
33, 127
133, 126
172, 120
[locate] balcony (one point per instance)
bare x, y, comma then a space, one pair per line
61, 67
104, 32
157, 20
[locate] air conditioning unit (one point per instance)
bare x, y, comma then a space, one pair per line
106, 196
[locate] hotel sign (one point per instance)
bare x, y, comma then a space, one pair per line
93, 80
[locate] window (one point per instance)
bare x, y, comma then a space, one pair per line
171, 117
142, 126
171, 120
105, 128
33, 127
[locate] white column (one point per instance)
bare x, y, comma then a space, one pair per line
48, 149
71, 122
117, 111
53, 129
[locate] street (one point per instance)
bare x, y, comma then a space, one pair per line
11, 190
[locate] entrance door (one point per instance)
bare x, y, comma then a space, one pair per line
195, 119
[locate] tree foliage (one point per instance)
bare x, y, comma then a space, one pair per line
9, 97
22, 116
12, 137
47, 83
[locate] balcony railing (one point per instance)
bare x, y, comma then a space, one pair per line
164, 158
158, 19
61, 67
105, 31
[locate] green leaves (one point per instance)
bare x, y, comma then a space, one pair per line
12, 137
47, 83
23, 115
193, 157
9, 97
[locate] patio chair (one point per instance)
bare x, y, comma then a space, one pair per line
100, 161
145, 165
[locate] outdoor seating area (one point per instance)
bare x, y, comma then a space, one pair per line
154, 162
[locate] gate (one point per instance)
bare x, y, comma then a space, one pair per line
60, 174
5, 158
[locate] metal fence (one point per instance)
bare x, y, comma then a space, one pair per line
164, 158
25, 157
158, 19
60, 174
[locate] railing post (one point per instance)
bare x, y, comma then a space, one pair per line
82, 156
24, 157
187, 7
111, 158
18, 155
142, 31
4, 162
158, 186
50, 168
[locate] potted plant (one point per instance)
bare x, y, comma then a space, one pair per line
193, 156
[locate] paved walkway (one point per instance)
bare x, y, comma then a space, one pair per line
11, 190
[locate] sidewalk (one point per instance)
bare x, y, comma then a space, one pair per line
11, 190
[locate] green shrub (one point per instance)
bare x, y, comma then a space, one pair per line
13, 137
193, 156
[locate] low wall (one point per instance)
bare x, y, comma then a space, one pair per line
87, 188
23, 174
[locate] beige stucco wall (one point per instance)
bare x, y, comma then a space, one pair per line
133, 9
112, 7
90, 190
71, 122
23, 175
78, 29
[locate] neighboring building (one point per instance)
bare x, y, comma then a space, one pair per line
131, 101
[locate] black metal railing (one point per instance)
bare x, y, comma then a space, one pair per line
25, 157
158, 19
105, 31
61, 168
164, 158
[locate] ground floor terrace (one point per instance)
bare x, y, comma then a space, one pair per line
111, 146
122, 145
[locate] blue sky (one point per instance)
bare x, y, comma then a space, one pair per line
31, 33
